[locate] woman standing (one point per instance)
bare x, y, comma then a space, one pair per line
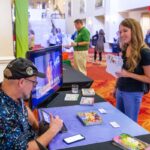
135, 71
100, 45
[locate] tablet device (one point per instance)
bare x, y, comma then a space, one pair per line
46, 119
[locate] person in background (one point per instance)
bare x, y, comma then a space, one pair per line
94, 42
74, 35
31, 39
81, 45
116, 45
18, 126
100, 45
135, 72
59, 36
52, 38
147, 38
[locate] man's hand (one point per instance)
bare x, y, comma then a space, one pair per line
66, 46
73, 44
55, 126
55, 123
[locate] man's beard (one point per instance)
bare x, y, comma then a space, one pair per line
26, 97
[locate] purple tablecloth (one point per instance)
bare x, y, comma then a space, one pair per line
93, 134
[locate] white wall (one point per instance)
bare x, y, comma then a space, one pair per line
3, 63
36, 14
70, 25
113, 11
112, 19
131, 4
89, 15
95, 24
6, 39
60, 4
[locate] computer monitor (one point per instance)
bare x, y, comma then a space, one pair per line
48, 61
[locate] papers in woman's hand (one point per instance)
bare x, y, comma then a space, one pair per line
114, 64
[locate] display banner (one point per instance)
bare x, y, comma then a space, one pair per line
21, 13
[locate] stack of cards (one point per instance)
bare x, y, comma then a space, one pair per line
102, 110
88, 92
87, 101
71, 97
114, 124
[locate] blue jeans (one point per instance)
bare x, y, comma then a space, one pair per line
129, 103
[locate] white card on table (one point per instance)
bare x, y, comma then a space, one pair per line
71, 97
115, 124
102, 110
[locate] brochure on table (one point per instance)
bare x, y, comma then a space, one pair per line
127, 142
87, 101
90, 117
88, 92
71, 97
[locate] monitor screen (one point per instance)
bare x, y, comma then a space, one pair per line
48, 61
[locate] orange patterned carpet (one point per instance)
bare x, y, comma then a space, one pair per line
104, 84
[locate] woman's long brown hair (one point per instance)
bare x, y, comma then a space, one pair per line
137, 42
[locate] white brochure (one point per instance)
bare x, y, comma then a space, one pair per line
114, 64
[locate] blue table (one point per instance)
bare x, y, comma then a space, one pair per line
93, 134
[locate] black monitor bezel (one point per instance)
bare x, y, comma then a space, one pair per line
39, 52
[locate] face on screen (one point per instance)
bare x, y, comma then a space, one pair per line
49, 73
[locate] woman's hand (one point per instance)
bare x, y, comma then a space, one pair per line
123, 73
114, 92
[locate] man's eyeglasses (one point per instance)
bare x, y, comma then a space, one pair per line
34, 82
